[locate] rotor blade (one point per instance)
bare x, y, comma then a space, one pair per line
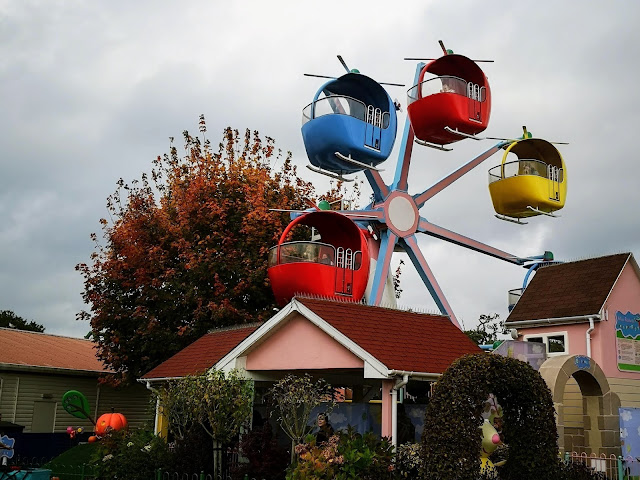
429, 59
518, 139
344, 64
317, 76
500, 138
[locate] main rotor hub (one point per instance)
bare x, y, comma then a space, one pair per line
401, 213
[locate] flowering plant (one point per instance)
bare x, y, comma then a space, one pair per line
130, 455
345, 456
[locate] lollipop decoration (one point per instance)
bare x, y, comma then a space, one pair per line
76, 404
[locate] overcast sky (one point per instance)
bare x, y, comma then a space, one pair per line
92, 91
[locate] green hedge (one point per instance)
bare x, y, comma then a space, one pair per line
451, 438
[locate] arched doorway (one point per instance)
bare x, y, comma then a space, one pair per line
600, 405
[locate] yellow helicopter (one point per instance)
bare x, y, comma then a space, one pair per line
533, 184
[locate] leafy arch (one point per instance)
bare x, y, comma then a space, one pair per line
451, 438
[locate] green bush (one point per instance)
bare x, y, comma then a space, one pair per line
408, 461
451, 438
130, 455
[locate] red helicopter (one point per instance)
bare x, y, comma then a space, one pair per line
450, 102
333, 262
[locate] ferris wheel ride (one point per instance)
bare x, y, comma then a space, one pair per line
392, 220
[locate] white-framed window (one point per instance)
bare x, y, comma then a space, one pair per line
556, 343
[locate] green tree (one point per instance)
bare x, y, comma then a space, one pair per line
489, 326
219, 403
294, 398
8, 319
186, 249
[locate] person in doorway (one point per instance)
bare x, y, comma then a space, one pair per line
325, 430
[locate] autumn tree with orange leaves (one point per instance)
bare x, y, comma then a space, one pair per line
186, 250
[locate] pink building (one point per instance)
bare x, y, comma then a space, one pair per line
373, 352
586, 316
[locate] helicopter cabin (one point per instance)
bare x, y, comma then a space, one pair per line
350, 125
451, 103
333, 264
530, 181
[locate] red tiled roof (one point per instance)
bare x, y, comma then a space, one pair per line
201, 354
569, 289
401, 340
20, 347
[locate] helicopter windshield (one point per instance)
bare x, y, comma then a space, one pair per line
343, 105
447, 84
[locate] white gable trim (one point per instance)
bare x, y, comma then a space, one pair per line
636, 269
373, 368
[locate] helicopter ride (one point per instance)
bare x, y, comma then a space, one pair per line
346, 254
334, 263
531, 179
450, 104
350, 125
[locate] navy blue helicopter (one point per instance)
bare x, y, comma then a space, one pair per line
350, 125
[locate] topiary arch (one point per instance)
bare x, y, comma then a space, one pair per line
451, 437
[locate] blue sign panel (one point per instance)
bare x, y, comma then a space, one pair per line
6, 442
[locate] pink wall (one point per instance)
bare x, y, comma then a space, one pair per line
387, 408
301, 345
576, 335
625, 297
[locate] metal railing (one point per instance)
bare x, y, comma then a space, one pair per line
447, 84
314, 252
344, 105
528, 166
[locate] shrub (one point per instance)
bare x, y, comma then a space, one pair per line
579, 471
192, 453
265, 458
408, 461
346, 456
451, 437
130, 455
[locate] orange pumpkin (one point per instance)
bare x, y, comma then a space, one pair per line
92, 439
110, 422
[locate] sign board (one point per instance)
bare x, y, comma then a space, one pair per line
8, 443
628, 341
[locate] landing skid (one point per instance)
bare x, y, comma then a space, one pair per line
330, 174
355, 162
541, 212
432, 145
510, 219
462, 134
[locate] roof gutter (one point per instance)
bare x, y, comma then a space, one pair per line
555, 321
17, 367
420, 375
405, 374
149, 381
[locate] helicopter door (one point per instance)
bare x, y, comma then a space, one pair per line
475, 94
553, 174
373, 130
344, 271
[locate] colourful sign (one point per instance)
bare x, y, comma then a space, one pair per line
628, 341
8, 443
